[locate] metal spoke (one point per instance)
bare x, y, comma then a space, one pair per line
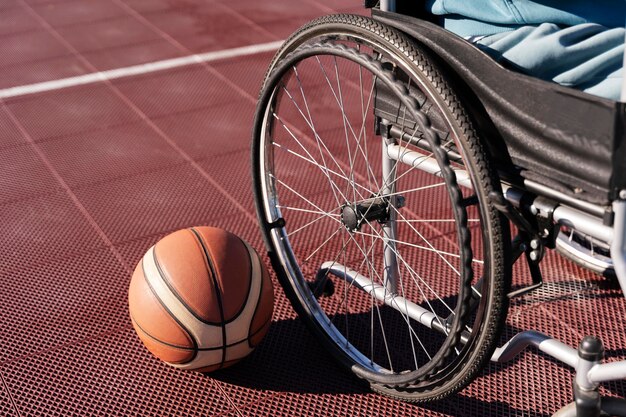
408, 267
366, 259
413, 245
411, 332
362, 131
436, 221
345, 128
291, 234
310, 122
334, 260
425, 240
327, 170
323, 213
364, 113
423, 159
413, 190
301, 196
323, 243
381, 253
339, 102
308, 153
406, 318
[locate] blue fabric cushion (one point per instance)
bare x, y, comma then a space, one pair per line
487, 17
575, 43
588, 57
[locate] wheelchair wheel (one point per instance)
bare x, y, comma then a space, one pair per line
371, 190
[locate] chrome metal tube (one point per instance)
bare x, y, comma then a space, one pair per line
544, 343
567, 216
389, 228
611, 371
562, 198
576, 219
618, 245
584, 223
529, 185
380, 293
582, 374
425, 163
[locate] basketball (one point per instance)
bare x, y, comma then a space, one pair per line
201, 299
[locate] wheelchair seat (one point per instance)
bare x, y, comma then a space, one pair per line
579, 152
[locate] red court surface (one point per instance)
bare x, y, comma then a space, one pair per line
93, 175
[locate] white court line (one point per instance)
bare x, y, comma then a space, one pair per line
113, 74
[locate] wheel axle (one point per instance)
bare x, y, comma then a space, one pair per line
354, 215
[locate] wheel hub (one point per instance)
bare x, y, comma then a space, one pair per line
353, 215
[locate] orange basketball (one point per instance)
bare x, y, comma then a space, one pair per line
201, 299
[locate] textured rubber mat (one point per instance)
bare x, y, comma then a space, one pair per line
7, 408
62, 302
93, 175
125, 383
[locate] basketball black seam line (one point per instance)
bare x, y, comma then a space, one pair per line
217, 293
256, 308
245, 303
199, 349
193, 340
227, 345
156, 339
183, 327
257, 332
239, 341
177, 295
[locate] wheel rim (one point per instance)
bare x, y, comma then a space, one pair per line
294, 148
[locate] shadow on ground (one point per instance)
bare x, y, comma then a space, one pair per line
291, 360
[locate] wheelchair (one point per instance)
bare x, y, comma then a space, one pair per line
399, 172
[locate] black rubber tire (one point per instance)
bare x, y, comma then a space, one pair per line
439, 381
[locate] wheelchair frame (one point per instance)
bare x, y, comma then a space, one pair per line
539, 192
599, 215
